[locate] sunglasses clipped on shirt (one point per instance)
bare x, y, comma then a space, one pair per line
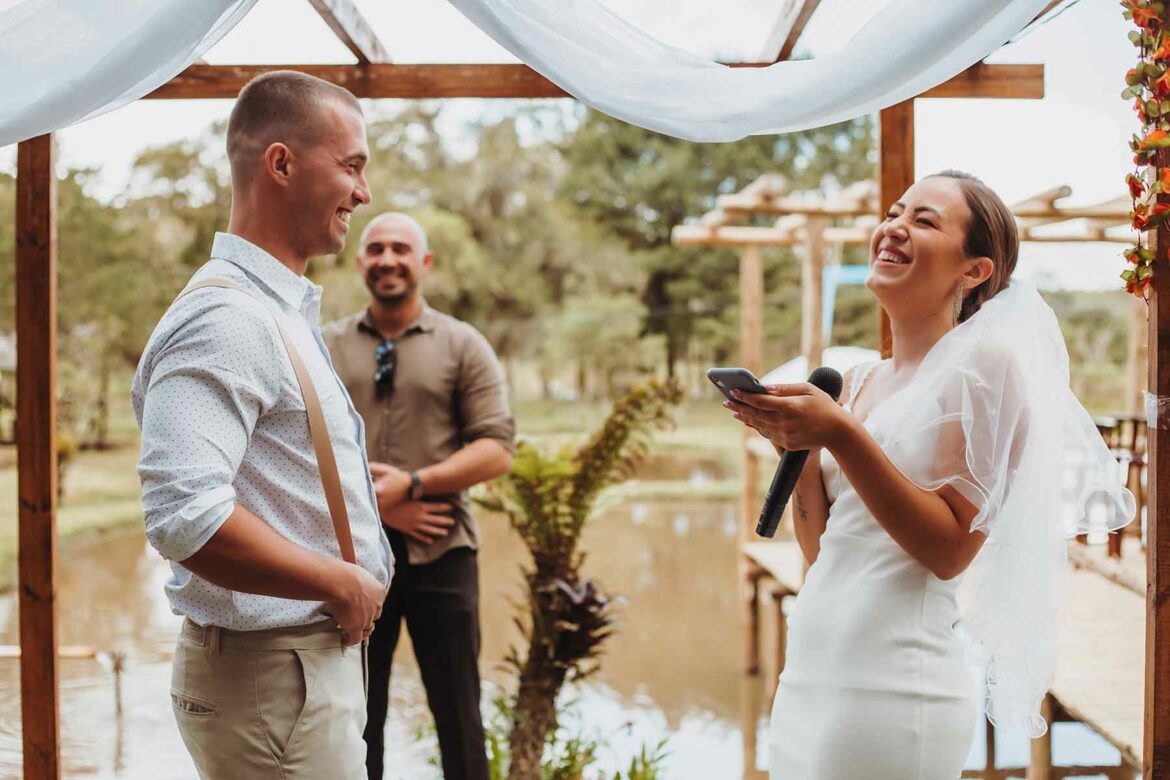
386, 355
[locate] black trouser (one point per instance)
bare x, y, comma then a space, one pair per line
440, 602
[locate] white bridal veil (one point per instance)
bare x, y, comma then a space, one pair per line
990, 413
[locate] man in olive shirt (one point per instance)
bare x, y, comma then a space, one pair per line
432, 395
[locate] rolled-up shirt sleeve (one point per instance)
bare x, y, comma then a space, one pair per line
200, 401
483, 396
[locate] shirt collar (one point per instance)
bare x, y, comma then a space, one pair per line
292, 288
424, 323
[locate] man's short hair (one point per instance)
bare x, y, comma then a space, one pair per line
396, 216
278, 106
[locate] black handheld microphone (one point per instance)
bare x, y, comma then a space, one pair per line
792, 462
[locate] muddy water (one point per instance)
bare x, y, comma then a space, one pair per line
671, 672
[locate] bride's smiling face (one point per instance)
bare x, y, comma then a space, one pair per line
916, 255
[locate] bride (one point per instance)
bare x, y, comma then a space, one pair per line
963, 459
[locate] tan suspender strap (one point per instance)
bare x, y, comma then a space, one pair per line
326, 462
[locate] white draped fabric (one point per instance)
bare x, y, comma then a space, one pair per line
63, 61
599, 58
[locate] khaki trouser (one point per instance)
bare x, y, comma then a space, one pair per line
281, 703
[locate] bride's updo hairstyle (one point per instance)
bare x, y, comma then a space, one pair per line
992, 233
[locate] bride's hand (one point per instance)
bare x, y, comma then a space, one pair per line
793, 417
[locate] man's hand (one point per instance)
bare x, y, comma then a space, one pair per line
420, 520
392, 485
356, 602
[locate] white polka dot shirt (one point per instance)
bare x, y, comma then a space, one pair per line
223, 421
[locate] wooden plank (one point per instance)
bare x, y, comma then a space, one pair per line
1099, 670
1136, 357
36, 448
72, 652
1156, 759
789, 26
984, 80
812, 283
783, 562
751, 336
393, 80
895, 175
374, 81
352, 29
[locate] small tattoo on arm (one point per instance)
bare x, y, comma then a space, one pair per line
800, 510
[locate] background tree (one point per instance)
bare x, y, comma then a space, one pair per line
639, 184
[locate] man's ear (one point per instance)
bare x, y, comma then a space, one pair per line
428, 261
278, 163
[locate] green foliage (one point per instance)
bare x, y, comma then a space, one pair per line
639, 184
567, 755
549, 497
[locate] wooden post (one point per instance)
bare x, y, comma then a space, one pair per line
36, 448
1136, 358
812, 329
751, 330
1156, 744
895, 175
1040, 765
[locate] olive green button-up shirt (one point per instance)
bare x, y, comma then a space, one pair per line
448, 392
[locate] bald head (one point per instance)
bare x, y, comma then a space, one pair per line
282, 106
397, 219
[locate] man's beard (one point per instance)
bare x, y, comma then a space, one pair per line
391, 299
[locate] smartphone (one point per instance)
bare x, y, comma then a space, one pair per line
728, 379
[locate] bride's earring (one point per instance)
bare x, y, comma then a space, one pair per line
958, 302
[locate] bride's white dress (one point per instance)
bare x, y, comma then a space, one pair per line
876, 685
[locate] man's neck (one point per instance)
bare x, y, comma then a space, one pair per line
392, 319
270, 238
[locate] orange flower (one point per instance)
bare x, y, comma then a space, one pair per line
1164, 177
1162, 53
1139, 217
1146, 18
1136, 186
1162, 85
1154, 137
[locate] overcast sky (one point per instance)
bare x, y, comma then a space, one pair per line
1077, 135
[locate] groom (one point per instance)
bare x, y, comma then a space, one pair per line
266, 681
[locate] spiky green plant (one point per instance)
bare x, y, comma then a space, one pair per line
549, 499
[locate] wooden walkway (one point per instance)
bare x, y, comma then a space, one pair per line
1101, 654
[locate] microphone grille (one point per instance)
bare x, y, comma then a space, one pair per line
827, 379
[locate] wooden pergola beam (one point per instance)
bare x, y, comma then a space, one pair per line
848, 235
789, 26
394, 80
352, 29
36, 452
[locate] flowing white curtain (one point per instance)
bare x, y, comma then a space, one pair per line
596, 56
63, 61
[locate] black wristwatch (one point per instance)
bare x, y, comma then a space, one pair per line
416, 486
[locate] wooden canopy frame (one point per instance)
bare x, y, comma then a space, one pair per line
375, 76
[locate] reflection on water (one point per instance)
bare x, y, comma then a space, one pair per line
671, 671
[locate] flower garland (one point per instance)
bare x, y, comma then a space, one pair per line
1148, 84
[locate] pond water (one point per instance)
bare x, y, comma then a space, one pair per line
671, 672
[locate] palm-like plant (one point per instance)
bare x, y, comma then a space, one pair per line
549, 499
